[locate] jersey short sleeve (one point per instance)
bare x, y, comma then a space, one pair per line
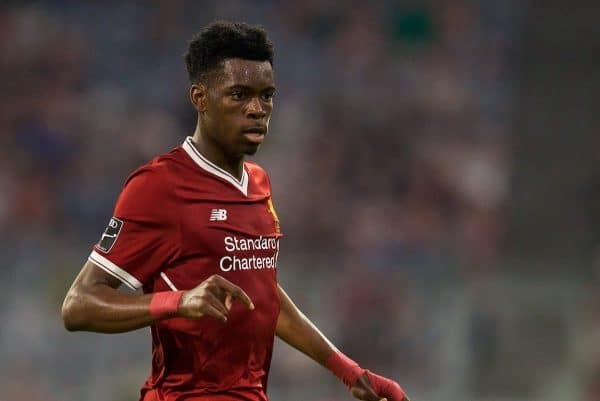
142, 235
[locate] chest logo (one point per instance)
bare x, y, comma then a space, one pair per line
218, 215
271, 209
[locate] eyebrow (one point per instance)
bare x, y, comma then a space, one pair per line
246, 87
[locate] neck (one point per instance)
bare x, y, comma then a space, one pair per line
213, 152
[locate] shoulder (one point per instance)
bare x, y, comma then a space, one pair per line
258, 176
254, 170
148, 178
158, 171
148, 187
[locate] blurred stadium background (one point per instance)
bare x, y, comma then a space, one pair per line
435, 168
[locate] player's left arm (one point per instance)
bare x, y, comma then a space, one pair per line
297, 330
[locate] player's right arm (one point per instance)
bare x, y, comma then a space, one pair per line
93, 303
141, 238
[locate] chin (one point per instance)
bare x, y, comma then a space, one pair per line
250, 151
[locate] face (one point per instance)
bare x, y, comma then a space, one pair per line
236, 105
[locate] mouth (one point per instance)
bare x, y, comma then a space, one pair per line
255, 134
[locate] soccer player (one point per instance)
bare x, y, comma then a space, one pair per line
197, 231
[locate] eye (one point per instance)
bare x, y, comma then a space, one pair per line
237, 95
267, 97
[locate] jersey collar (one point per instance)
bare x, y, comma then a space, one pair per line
207, 165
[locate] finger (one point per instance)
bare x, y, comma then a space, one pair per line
359, 393
235, 291
364, 394
367, 384
384, 386
212, 300
363, 390
228, 301
210, 310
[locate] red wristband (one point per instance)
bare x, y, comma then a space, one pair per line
165, 304
344, 368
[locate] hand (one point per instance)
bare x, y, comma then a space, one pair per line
213, 297
372, 387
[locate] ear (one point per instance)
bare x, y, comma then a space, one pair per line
199, 97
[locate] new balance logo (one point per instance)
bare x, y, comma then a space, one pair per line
218, 215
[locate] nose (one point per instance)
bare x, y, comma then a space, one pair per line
256, 109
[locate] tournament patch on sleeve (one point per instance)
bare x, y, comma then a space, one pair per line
110, 235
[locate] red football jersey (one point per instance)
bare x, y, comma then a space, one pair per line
179, 220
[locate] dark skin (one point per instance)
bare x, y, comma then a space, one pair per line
238, 98
234, 107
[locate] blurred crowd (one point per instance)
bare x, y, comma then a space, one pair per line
389, 152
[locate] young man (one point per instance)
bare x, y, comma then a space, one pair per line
196, 230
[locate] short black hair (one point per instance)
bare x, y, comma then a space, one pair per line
222, 40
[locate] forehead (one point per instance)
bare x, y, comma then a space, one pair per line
255, 74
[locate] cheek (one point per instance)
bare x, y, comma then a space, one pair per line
231, 117
230, 122
222, 114
229, 108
